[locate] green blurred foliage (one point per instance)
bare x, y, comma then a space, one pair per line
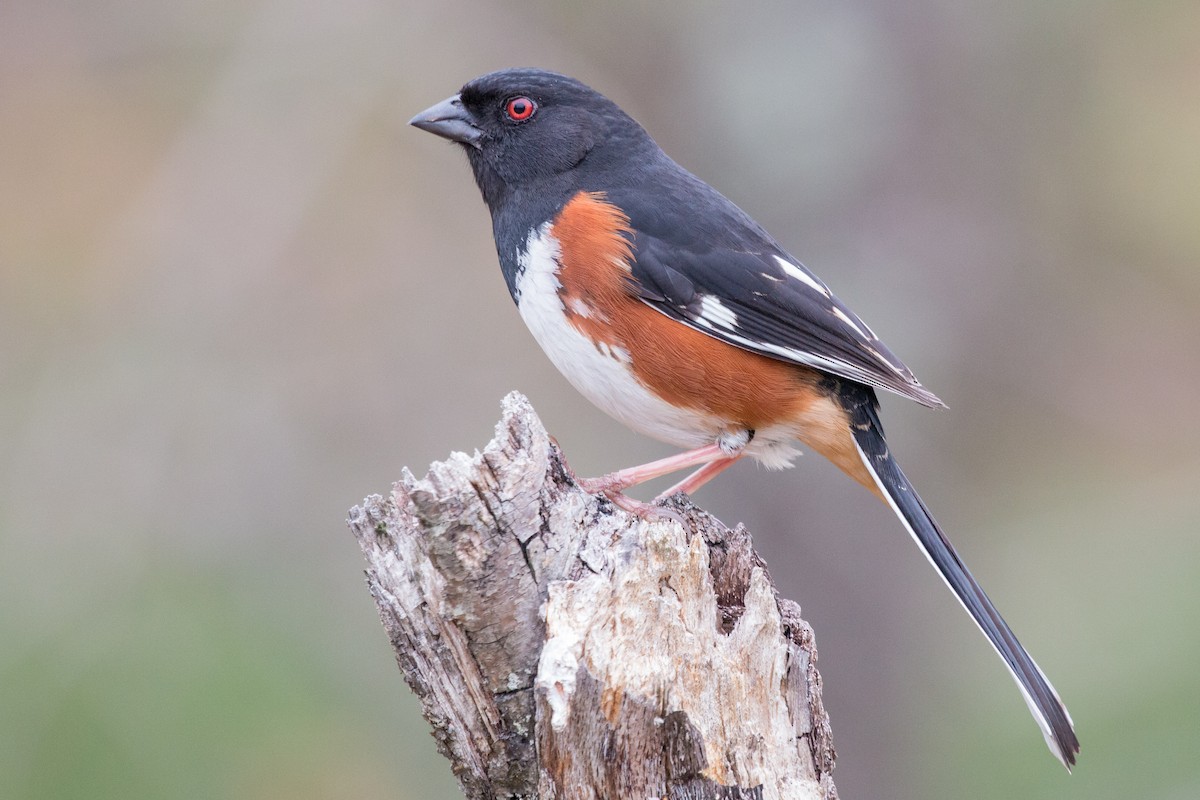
237, 294
178, 685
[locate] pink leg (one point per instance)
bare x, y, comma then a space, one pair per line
623, 479
700, 477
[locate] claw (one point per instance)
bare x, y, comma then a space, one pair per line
643, 511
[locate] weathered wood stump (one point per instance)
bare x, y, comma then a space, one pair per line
562, 648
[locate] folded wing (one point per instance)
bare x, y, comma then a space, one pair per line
761, 299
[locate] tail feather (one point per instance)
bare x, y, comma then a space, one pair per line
1044, 703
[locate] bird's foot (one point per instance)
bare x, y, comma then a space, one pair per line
648, 512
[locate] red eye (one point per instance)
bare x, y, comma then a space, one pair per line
520, 109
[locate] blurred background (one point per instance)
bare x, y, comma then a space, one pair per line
237, 294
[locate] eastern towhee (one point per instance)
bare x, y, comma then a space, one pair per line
672, 310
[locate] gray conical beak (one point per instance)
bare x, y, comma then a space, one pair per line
449, 120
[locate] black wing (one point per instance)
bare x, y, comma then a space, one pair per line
752, 294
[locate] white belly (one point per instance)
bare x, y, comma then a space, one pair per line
601, 374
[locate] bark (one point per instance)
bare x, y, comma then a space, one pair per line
562, 648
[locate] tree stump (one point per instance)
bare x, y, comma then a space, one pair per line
562, 648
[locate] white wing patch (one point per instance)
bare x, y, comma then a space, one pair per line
834, 365
801, 275
864, 334
714, 312
879, 357
841, 315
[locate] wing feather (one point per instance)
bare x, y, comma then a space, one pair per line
761, 299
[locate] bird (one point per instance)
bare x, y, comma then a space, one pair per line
672, 310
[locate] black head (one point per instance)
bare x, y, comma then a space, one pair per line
526, 127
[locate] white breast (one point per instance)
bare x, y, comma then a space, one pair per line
600, 373
603, 375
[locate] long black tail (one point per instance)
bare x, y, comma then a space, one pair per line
1043, 701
